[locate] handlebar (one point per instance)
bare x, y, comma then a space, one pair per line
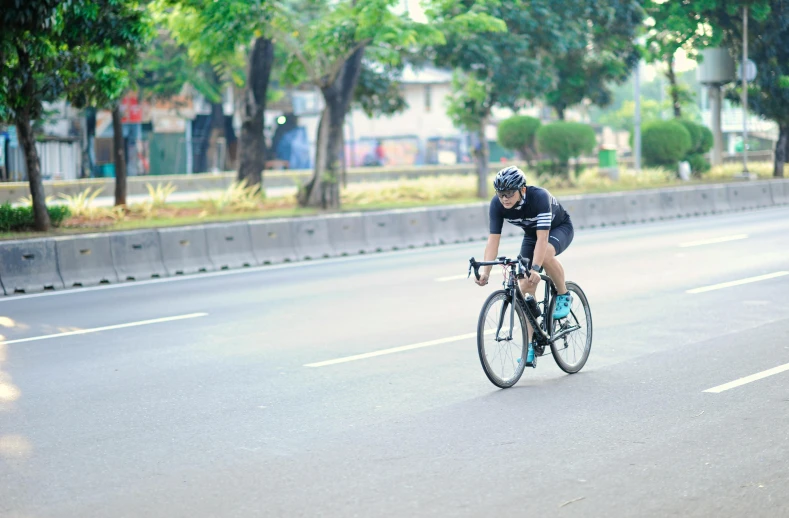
520, 261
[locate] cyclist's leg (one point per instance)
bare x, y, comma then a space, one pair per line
527, 252
559, 239
555, 270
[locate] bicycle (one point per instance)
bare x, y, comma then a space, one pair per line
547, 332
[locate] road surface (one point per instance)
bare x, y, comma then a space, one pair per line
212, 396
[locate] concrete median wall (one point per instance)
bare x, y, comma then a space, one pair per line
34, 265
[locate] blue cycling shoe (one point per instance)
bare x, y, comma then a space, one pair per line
529, 356
562, 308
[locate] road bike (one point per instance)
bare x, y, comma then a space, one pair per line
501, 332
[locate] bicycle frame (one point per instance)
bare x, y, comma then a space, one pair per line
517, 269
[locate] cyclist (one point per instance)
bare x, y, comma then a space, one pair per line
548, 231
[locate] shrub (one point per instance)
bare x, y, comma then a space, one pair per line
698, 164
700, 136
518, 133
665, 143
15, 219
565, 140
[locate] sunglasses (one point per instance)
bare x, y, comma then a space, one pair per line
505, 195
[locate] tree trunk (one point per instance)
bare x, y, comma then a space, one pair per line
25, 132
481, 158
560, 111
216, 131
119, 146
673, 88
89, 160
253, 143
528, 154
781, 151
323, 190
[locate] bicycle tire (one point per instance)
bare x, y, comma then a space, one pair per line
481, 349
556, 349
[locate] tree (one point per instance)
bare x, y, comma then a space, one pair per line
120, 31
327, 42
673, 27
624, 118
502, 64
221, 34
603, 57
50, 50
768, 48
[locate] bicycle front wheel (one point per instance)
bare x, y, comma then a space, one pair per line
572, 349
502, 350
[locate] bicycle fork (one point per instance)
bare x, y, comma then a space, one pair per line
501, 319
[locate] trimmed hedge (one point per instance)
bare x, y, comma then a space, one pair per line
565, 140
665, 143
701, 142
518, 133
14, 219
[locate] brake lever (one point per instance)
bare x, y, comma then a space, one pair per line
473, 266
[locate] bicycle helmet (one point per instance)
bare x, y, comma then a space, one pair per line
509, 179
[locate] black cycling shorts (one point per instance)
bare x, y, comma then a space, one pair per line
559, 237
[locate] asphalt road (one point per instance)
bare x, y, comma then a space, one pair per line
203, 403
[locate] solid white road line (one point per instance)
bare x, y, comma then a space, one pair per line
713, 241
395, 350
749, 379
452, 278
105, 328
737, 283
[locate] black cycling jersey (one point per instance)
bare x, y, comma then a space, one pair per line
538, 210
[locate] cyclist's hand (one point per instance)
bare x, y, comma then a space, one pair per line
483, 279
534, 278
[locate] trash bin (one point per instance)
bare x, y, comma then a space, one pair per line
107, 170
607, 163
607, 158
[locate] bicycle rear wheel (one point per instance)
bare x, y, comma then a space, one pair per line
572, 350
503, 360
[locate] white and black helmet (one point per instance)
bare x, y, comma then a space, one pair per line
509, 179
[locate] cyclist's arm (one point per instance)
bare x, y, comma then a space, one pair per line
491, 251
496, 217
541, 247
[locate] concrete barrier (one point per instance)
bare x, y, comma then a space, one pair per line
416, 229
311, 238
272, 241
229, 245
443, 222
185, 250
720, 198
28, 266
696, 201
643, 206
670, 204
347, 234
85, 260
780, 191
383, 231
605, 210
751, 195
473, 222
574, 206
137, 255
